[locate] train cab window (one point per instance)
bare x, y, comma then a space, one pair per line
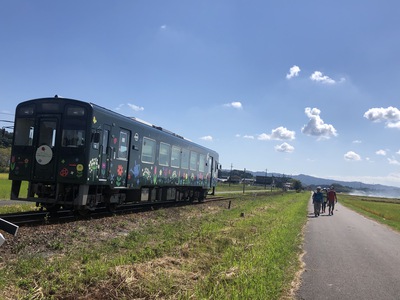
185, 159
75, 111
73, 138
26, 110
163, 156
175, 157
193, 160
148, 151
123, 145
47, 133
202, 163
24, 129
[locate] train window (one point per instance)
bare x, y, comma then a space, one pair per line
123, 145
47, 133
26, 110
75, 111
50, 106
24, 132
148, 151
193, 160
202, 163
163, 156
185, 159
175, 157
73, 138
105, 141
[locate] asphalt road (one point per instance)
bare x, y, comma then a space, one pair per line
348, 256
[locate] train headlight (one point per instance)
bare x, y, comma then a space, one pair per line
2, 239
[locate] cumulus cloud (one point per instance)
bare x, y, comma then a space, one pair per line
135, 107
280, 133
293, 72
319, 77
357, 142
381, 152
351, 155
122, 107
393, 161
284, 147
237, 105
389, 115
207, 138
250, 137
316, 126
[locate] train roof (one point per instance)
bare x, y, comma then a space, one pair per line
106, 110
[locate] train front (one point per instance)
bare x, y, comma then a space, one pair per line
50, 150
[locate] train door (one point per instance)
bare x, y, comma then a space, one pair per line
211, 171
105, 153
45, 145
120, 157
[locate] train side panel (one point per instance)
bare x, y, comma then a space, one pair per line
79, 155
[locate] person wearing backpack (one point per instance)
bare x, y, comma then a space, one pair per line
317, 198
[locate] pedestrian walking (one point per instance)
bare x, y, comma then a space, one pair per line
317, 198
332, 199
324, 202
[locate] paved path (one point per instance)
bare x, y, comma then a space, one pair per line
349, 257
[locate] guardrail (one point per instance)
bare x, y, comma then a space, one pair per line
7, 227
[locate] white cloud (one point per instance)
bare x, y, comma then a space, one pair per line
163, 27
356, 142
122, 108
351, 155
251, 137
264, 137
316, 126
135, 107
237, 105
389, 115
393, 161
318, 77
380, 152
293, 72
207, 138
280, 133
285, 147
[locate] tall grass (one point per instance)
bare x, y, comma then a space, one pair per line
5, 187
382, 210
197, 252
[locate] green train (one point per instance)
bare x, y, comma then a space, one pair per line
80, 156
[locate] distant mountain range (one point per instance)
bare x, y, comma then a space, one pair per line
358, 187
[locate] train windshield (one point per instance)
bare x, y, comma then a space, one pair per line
24, 129
73, 133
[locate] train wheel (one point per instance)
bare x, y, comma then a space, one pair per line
112, 207
83, 212
52, 208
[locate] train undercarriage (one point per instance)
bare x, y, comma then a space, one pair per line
86, 198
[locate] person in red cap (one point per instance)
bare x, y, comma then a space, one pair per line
332, 199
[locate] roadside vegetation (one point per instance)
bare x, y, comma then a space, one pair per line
207, 251
383, 210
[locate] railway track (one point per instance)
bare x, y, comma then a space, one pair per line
45, 217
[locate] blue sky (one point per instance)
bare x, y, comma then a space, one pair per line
294, 87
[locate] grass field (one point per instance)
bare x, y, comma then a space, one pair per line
194, 252
383, 210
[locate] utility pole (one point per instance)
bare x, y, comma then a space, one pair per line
266, 173
230, 175
244, 180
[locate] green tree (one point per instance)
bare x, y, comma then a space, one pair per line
5, 154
